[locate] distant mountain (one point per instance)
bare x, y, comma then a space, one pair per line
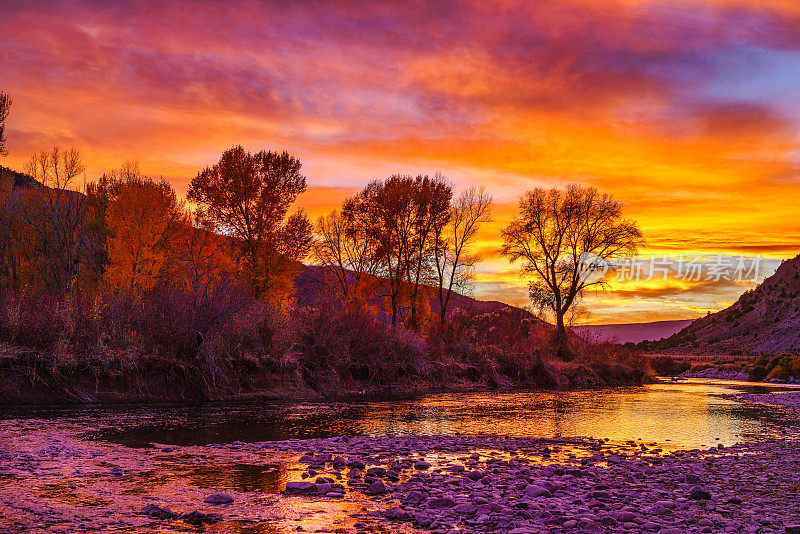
764, 320
632, 332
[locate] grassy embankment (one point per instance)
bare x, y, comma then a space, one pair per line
170, 346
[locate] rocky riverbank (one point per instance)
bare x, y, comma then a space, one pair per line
789, 399
55, 480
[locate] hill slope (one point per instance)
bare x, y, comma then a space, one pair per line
764, 320
310, 282
631, 332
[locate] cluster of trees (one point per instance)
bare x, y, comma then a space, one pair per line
407, 234
404, 240
391, 242
130, 232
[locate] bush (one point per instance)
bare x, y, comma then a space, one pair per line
665, 365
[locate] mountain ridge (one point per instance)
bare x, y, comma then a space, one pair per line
763, 320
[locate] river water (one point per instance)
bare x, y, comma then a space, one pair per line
686, 414
94, 468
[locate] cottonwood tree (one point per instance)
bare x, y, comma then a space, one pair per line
452, 255
560, 236
202, 260
400, 216
5, 107
52, 210
144, 220
344, 250
100, 195
247, 196
430, 212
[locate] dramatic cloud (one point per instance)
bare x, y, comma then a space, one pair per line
687, 111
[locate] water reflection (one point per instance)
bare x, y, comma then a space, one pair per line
269, 478
691, 414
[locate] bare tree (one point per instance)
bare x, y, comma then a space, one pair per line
430, 213
454, 262
53, 210
563, 237
346, 253
381, 209
5, 106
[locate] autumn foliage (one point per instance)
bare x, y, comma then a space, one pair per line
120, 284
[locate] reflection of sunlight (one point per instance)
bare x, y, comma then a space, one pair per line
686, 414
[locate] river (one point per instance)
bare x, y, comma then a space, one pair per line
100, 468
687, 414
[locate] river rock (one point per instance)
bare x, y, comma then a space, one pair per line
300, 487
377, 488
218, 498
199, 519
396, 514
441, 502
465, 509
536, 491
700, 494
157, 512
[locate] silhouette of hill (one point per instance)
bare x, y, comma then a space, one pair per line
764, 320
631, 332
311, 282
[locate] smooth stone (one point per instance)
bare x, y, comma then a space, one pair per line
536, 491
218, 498
465, 509
198, 518
700, 494
395, 514
376, 488
157, 512
300, 487
441, 502
655, 509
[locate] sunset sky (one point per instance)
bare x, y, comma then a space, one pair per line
687, 111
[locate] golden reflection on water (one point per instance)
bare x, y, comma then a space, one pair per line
685, 414
268, 478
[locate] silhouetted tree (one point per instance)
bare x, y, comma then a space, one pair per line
247, 196
52, 210
562, 236
202, 260
99, 197
452, 254
346, 253
5, 106
400, 216
144, 221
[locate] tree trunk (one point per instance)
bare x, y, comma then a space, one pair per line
561, 337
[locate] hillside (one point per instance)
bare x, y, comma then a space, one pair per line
764, 320
310, 282
631, 332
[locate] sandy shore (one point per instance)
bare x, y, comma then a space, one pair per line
54, 480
